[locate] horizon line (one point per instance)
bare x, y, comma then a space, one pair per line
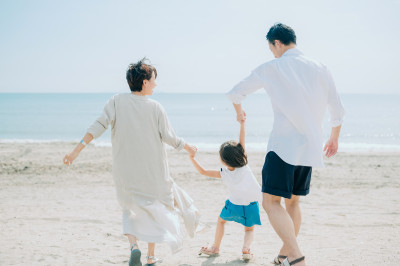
163, 92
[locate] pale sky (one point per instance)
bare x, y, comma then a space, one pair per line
197, 46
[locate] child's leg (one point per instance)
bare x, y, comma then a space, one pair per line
219, 233
248, 239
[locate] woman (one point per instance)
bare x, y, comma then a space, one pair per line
145, 190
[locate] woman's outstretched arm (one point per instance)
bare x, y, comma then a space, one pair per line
98, 127
70, 157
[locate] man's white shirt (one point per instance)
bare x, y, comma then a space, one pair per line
300, 90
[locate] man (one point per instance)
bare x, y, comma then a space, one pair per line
300, 90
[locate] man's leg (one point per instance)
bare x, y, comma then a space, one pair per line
283, 226
293, 209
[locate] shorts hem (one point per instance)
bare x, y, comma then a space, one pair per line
239, 222
301, 192
277, 192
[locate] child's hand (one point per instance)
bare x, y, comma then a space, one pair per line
191, 155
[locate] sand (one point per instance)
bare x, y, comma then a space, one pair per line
52, 214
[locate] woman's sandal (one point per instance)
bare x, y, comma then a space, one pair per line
208, 251
154, 259
276, 260
293, 262
134, 260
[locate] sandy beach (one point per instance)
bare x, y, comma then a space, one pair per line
52, 214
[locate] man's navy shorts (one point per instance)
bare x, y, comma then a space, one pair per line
282, 179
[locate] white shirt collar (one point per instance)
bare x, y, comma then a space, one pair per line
292, 51
139, 97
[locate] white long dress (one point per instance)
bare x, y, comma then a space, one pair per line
145, 190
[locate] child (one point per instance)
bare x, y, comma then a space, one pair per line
244, 193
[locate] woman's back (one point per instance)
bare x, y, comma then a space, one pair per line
139, 128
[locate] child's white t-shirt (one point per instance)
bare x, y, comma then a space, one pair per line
242, 185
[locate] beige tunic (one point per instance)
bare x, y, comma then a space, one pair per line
145, 190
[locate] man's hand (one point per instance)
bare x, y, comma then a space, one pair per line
331, 147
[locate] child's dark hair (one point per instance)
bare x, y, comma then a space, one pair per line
138, 72
233, 154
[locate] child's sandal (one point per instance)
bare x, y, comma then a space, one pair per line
208, 251
247, 256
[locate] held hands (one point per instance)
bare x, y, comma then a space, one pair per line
331, 147
191, 150
241, 117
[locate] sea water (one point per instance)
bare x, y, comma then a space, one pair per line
372, 122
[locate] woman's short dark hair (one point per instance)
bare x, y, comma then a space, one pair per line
138, 72
282, 33
232, 153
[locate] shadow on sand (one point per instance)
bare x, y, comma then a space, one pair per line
210, 262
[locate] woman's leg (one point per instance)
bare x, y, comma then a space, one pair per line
248, 239
219, 234
150, 252
134, 259
132, 241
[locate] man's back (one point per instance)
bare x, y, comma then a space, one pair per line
300, 90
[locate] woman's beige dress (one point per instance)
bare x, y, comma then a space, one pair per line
139, 131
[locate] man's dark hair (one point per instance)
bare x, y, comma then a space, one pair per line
232, 153
138, 72
282, 33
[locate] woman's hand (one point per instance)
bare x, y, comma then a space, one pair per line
69, 158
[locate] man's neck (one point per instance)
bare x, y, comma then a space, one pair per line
288, 47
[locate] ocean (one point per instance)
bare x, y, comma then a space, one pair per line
372, 122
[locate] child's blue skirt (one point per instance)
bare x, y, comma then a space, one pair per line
247, 215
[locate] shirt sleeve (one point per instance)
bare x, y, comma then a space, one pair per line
335, 106
167, 133
248, 85
107, 118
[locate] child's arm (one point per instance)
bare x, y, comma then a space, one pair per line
242, 136
202, 171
